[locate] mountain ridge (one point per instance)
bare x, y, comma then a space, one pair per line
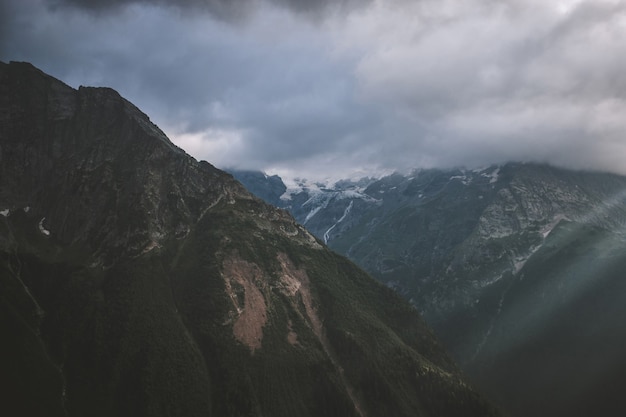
139, 281
474, 249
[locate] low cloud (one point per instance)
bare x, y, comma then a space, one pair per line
482, 82
326, 88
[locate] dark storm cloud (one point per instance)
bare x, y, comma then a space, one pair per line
5, 17
329, 87
222, 9
235, 95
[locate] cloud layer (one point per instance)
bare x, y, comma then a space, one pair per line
329, 88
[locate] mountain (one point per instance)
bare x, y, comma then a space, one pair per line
518, 268
137, 281
269, 188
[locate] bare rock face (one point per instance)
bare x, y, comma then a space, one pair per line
136, 281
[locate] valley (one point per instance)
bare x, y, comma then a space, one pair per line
499, 260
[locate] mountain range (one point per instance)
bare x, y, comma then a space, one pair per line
519, 268
138, 281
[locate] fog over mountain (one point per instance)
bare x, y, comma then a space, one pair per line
324, 88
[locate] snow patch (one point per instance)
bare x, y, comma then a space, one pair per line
520, 261
320, 196
5, 212
297, 185
464, 180
547, 229
356, 193
26, 209
42, 229
495, 174
312, 213
345, 213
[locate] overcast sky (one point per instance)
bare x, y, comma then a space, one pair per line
336, 88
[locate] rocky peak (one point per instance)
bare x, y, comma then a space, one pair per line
95, 168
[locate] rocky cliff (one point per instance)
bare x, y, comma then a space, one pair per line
137, 281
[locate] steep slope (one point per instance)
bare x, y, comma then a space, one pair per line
138, 281
516, 267
559, 324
